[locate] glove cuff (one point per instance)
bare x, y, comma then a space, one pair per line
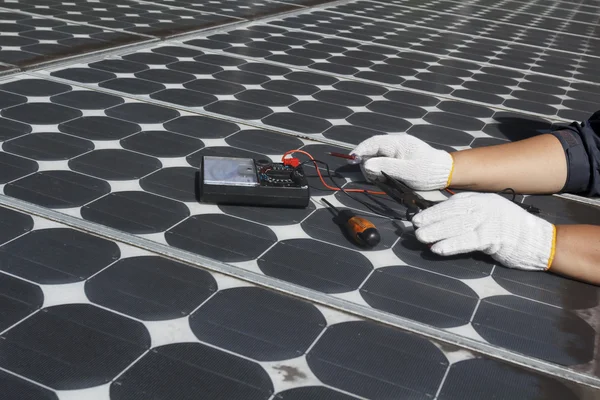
552, 249
535, 248
439, 171
542, 244
451, 173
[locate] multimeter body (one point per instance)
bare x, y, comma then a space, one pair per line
245, 181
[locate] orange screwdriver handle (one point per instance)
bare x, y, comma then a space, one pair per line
363, 231
358, 224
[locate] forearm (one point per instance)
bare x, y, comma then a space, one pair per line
577, 253
534, 166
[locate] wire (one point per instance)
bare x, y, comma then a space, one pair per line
529, 208
338, 188
510, 190
364, 191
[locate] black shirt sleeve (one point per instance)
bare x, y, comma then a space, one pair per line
581, 142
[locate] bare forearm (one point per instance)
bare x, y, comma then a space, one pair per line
534, 166
577, 253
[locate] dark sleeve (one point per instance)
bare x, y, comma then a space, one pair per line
581, 142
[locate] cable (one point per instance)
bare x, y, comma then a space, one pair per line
511, 190
338, 188
389, 210
528, 208
366, 192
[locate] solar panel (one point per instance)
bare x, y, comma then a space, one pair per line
114, 138
89, 316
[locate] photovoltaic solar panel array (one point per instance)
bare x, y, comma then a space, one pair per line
117, 283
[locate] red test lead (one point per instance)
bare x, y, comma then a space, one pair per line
352, 158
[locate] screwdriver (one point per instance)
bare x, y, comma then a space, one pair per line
361, 230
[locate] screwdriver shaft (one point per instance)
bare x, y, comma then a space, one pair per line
331, 206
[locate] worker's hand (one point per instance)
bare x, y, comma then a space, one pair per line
489, 223
406, 158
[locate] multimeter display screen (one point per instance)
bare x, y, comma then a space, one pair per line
229, 171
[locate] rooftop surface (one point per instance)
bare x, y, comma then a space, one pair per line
116, 283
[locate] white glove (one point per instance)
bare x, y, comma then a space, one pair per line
406, 158
489, 223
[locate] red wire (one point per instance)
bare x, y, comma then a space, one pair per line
321, 176
334, 188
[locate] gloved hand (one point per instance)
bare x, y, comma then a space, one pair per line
469, 222
406, 158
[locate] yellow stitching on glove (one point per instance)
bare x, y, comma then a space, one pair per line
553, 250
451, 172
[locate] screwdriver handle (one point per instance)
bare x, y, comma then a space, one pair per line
358, 224
363, 231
